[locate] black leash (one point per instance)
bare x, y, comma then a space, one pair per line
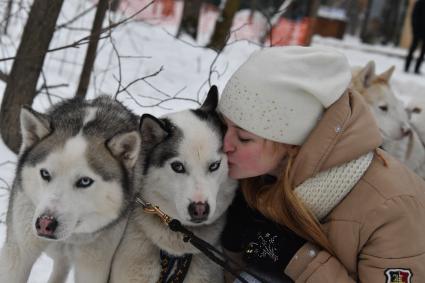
210, 251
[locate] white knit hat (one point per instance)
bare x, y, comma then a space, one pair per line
280, 93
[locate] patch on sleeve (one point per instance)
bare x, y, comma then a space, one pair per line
398, 275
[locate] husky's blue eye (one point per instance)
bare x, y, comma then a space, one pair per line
214, 166
178, 167
45, 175
84, 182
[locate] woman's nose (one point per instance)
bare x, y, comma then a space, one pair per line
228, 145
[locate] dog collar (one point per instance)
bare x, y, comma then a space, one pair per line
178, 264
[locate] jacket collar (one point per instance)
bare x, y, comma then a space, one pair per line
346, 131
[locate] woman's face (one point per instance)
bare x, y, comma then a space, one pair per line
250, 155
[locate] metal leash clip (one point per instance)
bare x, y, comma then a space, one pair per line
153, 209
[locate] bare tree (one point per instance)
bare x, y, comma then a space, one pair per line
102, 7
313, 7
364, 34
272, 13
114, 5
7, 16
190, 17
393, 15
22, 81
223, 25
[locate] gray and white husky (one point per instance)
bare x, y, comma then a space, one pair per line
72, 189
183, 171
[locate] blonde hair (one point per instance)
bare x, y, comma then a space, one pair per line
279, 203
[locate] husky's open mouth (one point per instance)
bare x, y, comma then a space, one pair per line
50, 237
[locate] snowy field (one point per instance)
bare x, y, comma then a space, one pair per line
187, 71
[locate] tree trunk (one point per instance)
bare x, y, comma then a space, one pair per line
272, 17
102, 7
190, 16
22, 81
223, 25
353, 10
7, 15
115, 4
391, 21
313, 7
364, 34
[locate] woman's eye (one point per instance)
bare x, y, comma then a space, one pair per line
214, 166
84, 182
244, 140
45, 175
178, 167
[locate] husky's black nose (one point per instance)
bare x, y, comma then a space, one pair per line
198, 211
46, 226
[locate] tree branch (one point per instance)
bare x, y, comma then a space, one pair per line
135, 81
77, 17
86, 40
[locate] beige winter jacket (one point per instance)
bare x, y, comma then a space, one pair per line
378, 230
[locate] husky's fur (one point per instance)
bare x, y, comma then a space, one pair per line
72, 189
183, 164
417, 116
400, 138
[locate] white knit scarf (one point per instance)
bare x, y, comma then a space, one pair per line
324, 191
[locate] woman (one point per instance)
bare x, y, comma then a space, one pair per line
319, 201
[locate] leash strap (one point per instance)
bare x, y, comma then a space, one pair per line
211, 252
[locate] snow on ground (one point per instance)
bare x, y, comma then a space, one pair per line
144, 49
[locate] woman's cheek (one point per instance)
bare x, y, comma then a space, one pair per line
251, 159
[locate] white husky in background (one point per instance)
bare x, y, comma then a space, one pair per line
183, 171
417, 115
400, 138
72, 190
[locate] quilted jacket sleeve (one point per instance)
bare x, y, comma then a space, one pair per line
392, 247
313, 265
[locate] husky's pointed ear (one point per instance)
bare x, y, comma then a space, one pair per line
210, 103
152, 130
367, 74
125, 147
386, 76
34, 126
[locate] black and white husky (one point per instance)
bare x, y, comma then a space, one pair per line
184, 171
72, 189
